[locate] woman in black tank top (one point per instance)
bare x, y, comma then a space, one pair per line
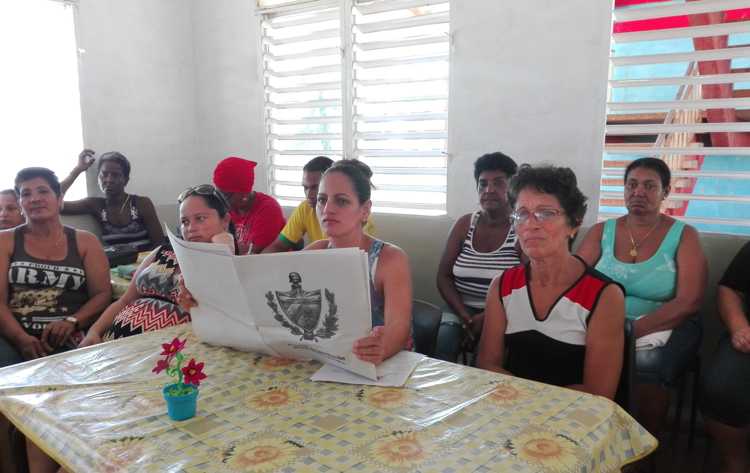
127, 221
54, 280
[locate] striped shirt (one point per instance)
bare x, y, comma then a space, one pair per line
133, 234
550, 349
473, 271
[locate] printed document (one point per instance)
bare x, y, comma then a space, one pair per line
303, 305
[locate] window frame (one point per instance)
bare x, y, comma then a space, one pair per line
683, 139
349, 149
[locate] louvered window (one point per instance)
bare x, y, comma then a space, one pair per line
679, 90
362, 80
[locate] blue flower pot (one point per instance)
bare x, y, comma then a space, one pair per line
180, 407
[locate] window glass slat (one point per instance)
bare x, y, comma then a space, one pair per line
678, 92
386, 67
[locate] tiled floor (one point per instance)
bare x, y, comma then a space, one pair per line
678, 458
682, 460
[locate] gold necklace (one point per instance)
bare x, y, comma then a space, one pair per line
633, 245
127, 199
60, 239
57, 242
124, 203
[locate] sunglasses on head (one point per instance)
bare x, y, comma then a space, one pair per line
205, 190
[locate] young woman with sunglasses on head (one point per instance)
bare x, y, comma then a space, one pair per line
561, 321
152, 297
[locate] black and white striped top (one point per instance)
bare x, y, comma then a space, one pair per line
473, 271
134, 234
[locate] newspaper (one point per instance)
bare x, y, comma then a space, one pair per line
302, 305
393, 372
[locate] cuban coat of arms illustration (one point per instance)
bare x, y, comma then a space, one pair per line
300, 310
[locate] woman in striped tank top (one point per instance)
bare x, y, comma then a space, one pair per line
127, 220
481, 245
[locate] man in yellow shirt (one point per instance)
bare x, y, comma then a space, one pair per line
303, 220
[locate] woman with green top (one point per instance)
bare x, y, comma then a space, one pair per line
660, 263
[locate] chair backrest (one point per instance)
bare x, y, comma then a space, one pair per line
425, 324
625, 395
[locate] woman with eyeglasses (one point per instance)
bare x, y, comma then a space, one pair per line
151, 301
555, 319
127, 220
660, 263
481, 245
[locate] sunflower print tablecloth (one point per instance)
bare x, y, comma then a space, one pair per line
100, 409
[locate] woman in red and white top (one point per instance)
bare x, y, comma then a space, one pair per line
561, 321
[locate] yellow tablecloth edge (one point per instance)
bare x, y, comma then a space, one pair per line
36, 440
641, 456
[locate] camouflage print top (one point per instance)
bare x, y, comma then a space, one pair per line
43, 291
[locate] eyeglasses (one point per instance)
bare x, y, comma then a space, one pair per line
541, 215
205, 190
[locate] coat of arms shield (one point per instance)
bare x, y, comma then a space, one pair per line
300, 310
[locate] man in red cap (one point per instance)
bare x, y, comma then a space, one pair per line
257, 216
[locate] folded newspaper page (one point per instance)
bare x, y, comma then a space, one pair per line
393, 372
303, 305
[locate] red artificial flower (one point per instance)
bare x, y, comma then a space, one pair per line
161, 365
171, 349
193, 373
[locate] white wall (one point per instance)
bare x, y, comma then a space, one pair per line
175, 86
228, 83
138, 89
528, 78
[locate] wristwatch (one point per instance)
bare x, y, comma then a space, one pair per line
72, 320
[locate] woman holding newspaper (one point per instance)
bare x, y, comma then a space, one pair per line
343, 208
151, 301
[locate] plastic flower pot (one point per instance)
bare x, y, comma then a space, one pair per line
180, 407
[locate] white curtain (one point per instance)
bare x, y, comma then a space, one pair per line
40, 111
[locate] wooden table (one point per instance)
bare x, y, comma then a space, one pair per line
99, 409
